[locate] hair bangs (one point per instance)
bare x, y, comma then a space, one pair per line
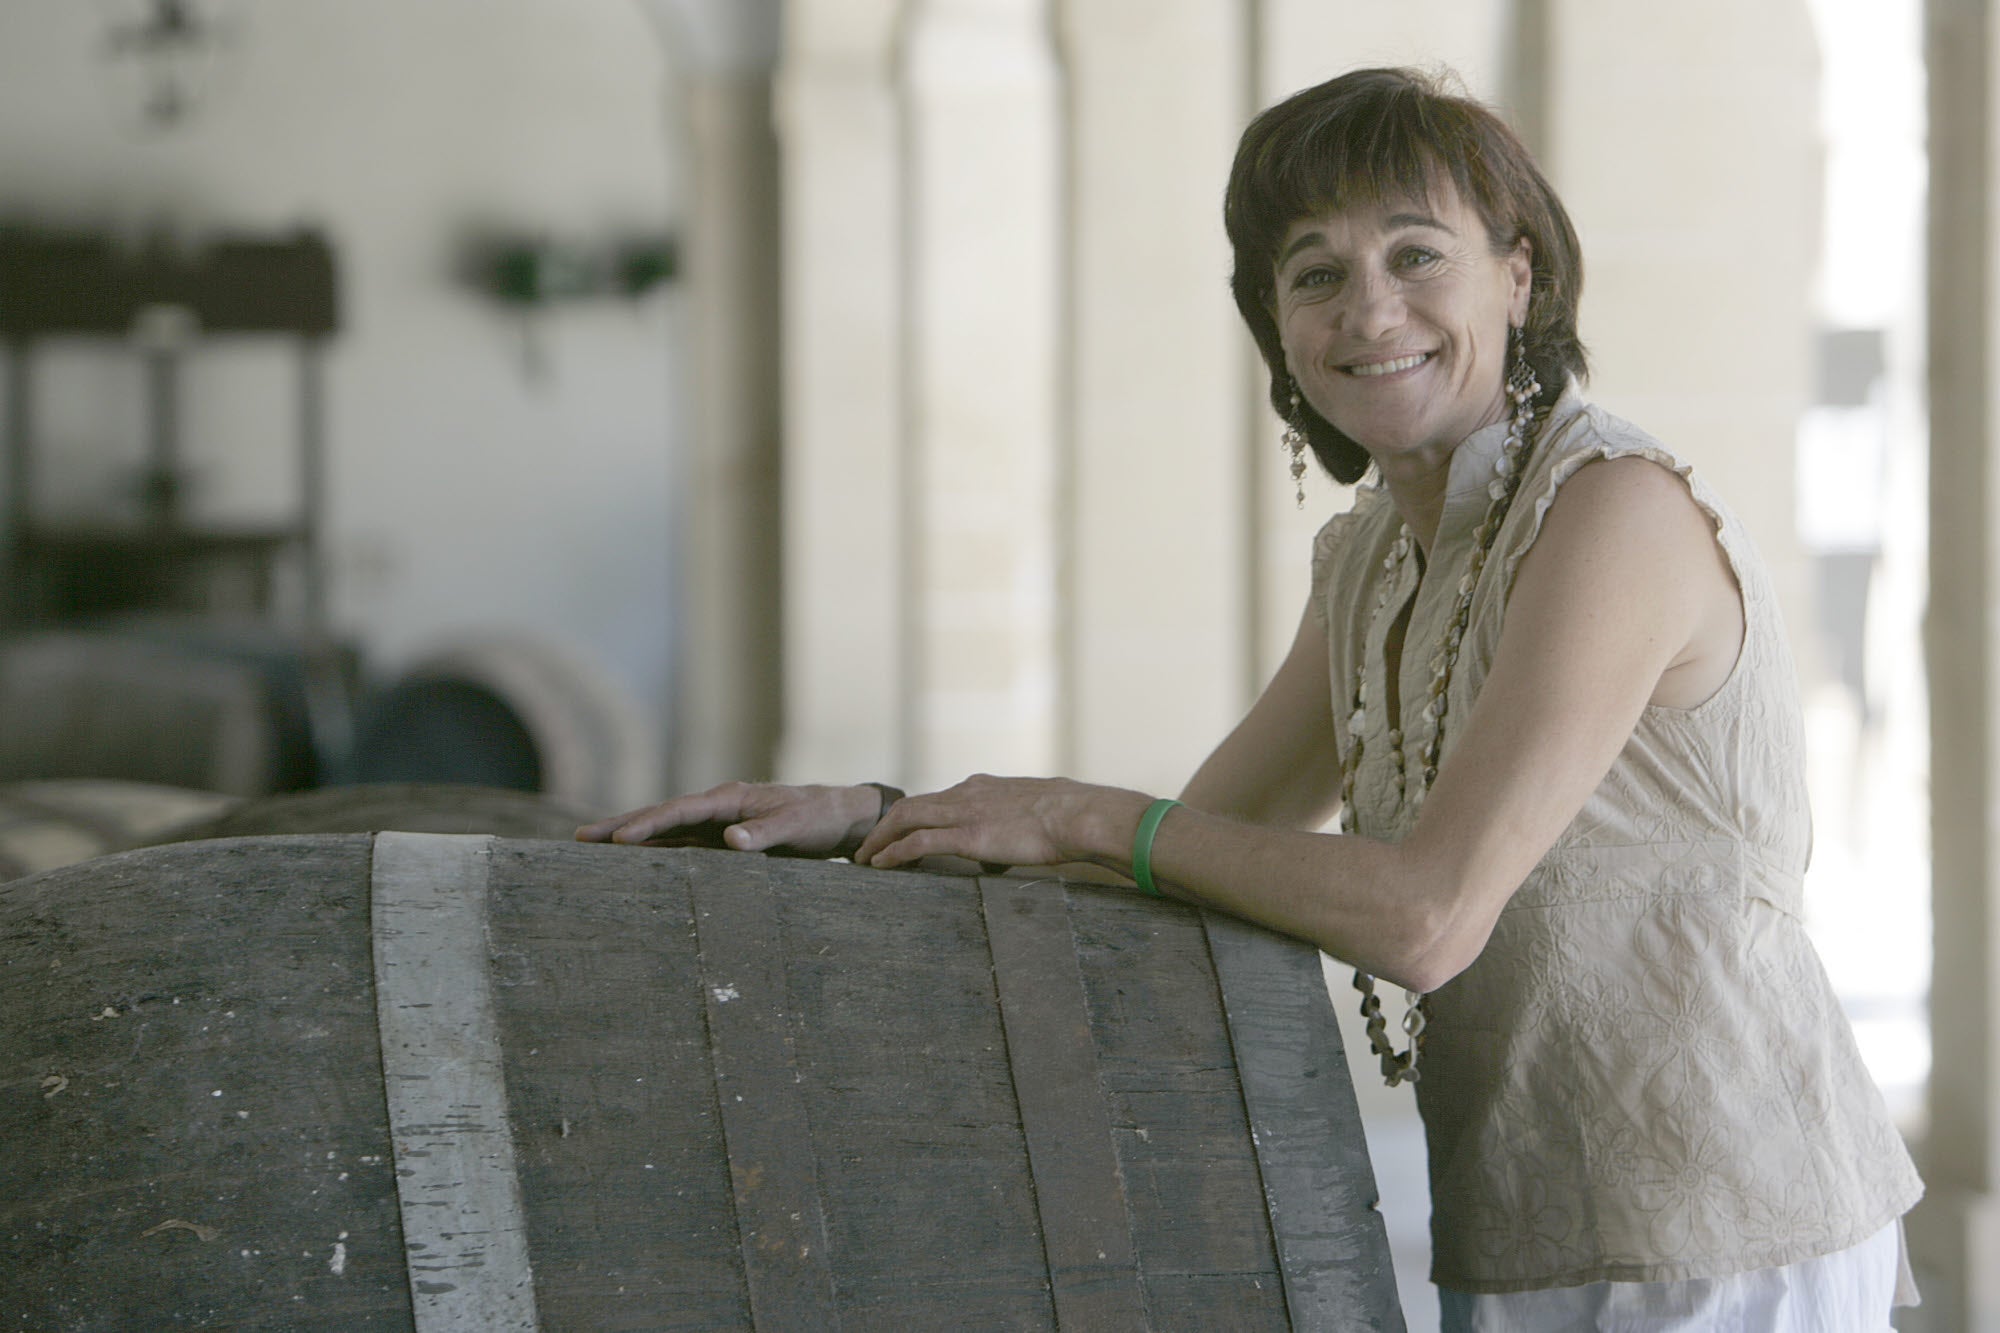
1330, 171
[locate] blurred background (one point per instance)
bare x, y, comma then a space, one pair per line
608, 397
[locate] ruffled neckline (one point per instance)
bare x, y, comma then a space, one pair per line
1474, 465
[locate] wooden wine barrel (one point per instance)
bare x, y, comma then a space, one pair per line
44, 825
102, 705
426, 1082
511, 711
404, 807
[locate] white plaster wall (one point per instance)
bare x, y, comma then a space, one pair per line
467, 491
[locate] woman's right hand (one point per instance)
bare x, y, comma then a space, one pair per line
751, 817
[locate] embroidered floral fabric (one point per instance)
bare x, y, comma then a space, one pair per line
1645, 1075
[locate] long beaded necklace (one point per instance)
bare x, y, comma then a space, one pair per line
1522, 386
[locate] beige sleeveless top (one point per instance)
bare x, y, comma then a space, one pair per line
1645, 1075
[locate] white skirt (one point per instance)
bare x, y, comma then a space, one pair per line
1848, 1291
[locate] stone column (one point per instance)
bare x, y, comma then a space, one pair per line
727, 636
847, 564
1955, 1233
924, 350
1157, 659
982, 118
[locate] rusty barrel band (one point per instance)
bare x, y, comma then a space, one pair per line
1079, 1191
1319, 1186
464, 1228
773, 1176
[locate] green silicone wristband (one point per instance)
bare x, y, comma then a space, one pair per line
1142, 844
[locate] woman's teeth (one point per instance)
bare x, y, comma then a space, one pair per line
1389, 367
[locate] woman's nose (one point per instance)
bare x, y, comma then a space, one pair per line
1371, 307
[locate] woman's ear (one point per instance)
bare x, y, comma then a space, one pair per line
1521, 268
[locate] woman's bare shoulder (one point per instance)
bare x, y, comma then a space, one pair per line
1637, 516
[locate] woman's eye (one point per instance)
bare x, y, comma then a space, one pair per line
1417, 257
1313, 278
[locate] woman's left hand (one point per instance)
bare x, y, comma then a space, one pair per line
1007, 821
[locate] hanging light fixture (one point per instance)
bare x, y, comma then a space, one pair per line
172, 47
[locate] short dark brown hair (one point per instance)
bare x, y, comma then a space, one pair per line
1374, 136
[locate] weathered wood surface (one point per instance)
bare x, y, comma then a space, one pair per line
773, 1177
192, 1092
404, 807
191, 1095
1318, 1182
1079, 1190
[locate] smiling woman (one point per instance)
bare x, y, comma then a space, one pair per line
1440, 165
1392, 317
1542, 682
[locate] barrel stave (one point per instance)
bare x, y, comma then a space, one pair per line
1204, 1242
215, 1145
617, 1138
903, 1064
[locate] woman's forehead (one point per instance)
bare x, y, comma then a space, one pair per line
1439, 207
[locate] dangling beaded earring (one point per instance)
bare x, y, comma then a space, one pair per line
1522, 384
1294, 442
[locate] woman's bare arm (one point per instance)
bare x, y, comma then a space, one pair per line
1625, 596
1280, 766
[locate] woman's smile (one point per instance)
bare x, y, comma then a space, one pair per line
1396, 365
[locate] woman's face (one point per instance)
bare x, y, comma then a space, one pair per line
1394, 320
